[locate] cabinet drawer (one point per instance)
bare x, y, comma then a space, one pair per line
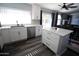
46, 43
53, 41
51, 38
50, 45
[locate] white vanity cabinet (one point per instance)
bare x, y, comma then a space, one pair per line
23, 33
38, 30
6, 35
15, 35
18, 33
55, 41
12, 34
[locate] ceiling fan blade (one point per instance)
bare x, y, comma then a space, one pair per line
70, 4
64, 3
73, 6
66, 8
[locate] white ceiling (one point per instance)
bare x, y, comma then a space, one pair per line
54, 6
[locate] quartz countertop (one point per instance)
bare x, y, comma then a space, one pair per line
5, 27
8, 27
31, 25
59, 31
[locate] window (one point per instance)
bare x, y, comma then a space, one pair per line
59, 20
46, 19
10, 16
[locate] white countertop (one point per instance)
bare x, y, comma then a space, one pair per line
8, 27
5, 27
31, 25
59, 31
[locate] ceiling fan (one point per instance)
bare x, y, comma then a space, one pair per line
67, 6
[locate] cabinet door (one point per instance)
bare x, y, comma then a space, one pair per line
38, 31
1, 40
6, 35
15, 35
23, 33
38, 13
35, 12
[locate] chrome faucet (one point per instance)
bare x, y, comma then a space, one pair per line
17, 23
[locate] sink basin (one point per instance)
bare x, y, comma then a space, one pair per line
16, 26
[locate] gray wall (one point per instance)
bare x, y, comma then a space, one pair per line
75, 19
21, 6
36, 22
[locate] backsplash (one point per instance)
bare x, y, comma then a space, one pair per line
36, 22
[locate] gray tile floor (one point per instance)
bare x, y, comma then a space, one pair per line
32, 47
